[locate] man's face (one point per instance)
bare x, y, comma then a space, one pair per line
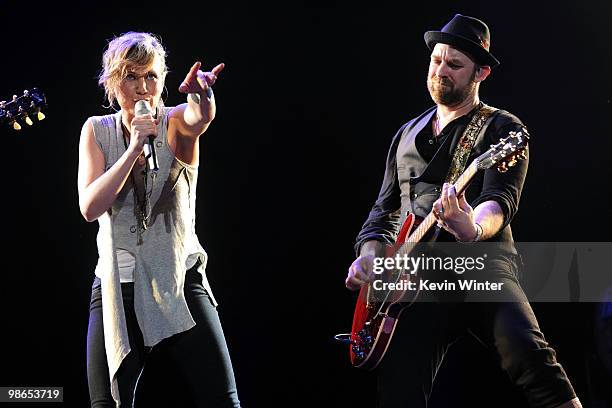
451, 75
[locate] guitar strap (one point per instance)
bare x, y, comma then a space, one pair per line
477, 126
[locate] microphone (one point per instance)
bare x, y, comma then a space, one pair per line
143, 108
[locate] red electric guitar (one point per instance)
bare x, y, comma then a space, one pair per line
377, 311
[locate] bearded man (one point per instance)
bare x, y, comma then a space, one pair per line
416, 181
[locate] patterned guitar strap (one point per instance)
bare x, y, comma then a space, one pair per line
478, 125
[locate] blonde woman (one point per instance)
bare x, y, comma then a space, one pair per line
150, 294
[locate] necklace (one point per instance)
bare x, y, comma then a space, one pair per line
142, 208
437, 126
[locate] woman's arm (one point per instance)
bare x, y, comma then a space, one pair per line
190, 120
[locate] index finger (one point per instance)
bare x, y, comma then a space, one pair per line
218, 69
194, 69
452, 197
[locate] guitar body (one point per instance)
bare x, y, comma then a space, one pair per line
374, 321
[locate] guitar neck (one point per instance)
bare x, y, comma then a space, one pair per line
460, 185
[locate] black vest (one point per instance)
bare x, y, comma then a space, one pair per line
420, 181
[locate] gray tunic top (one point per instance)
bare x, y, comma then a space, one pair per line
160, 251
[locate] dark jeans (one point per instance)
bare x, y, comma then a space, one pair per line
509, 330
200, 354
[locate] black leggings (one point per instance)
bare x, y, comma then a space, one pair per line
508, 329
200, 354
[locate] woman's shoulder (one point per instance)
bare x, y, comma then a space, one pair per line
103, 121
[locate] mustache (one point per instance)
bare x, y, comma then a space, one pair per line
441, 81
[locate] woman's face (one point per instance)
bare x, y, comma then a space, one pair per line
141, 83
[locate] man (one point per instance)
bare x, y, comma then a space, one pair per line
417, 166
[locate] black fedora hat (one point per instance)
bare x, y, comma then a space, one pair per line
467, 34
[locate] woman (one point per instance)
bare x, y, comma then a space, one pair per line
150, 283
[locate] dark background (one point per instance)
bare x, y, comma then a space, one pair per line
311, 95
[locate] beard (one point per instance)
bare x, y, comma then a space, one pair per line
443, 92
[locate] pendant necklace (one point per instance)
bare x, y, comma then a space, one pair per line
142, 209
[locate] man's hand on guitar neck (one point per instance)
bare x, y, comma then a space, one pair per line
361, 271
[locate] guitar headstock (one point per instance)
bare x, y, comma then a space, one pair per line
506, 153
21, 108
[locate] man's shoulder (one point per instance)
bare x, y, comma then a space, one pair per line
504, 122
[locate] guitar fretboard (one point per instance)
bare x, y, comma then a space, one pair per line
429, 221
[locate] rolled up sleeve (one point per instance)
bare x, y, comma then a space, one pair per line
504, 188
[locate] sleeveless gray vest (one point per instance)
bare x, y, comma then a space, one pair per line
160, 251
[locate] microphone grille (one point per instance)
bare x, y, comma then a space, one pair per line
143, 108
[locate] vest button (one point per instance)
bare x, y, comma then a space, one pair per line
414, 195
431, 141
133, 229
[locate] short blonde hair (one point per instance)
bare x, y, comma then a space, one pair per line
125, 52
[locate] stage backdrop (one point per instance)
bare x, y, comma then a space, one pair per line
310, 98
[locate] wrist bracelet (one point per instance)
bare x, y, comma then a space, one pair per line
195, 97
478, 233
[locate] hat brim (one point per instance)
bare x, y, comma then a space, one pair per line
481, 55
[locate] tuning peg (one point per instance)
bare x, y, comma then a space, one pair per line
28, 120
522, 155
14, 98
502, 167
26, 93
16, 125
512, 162
40, 115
